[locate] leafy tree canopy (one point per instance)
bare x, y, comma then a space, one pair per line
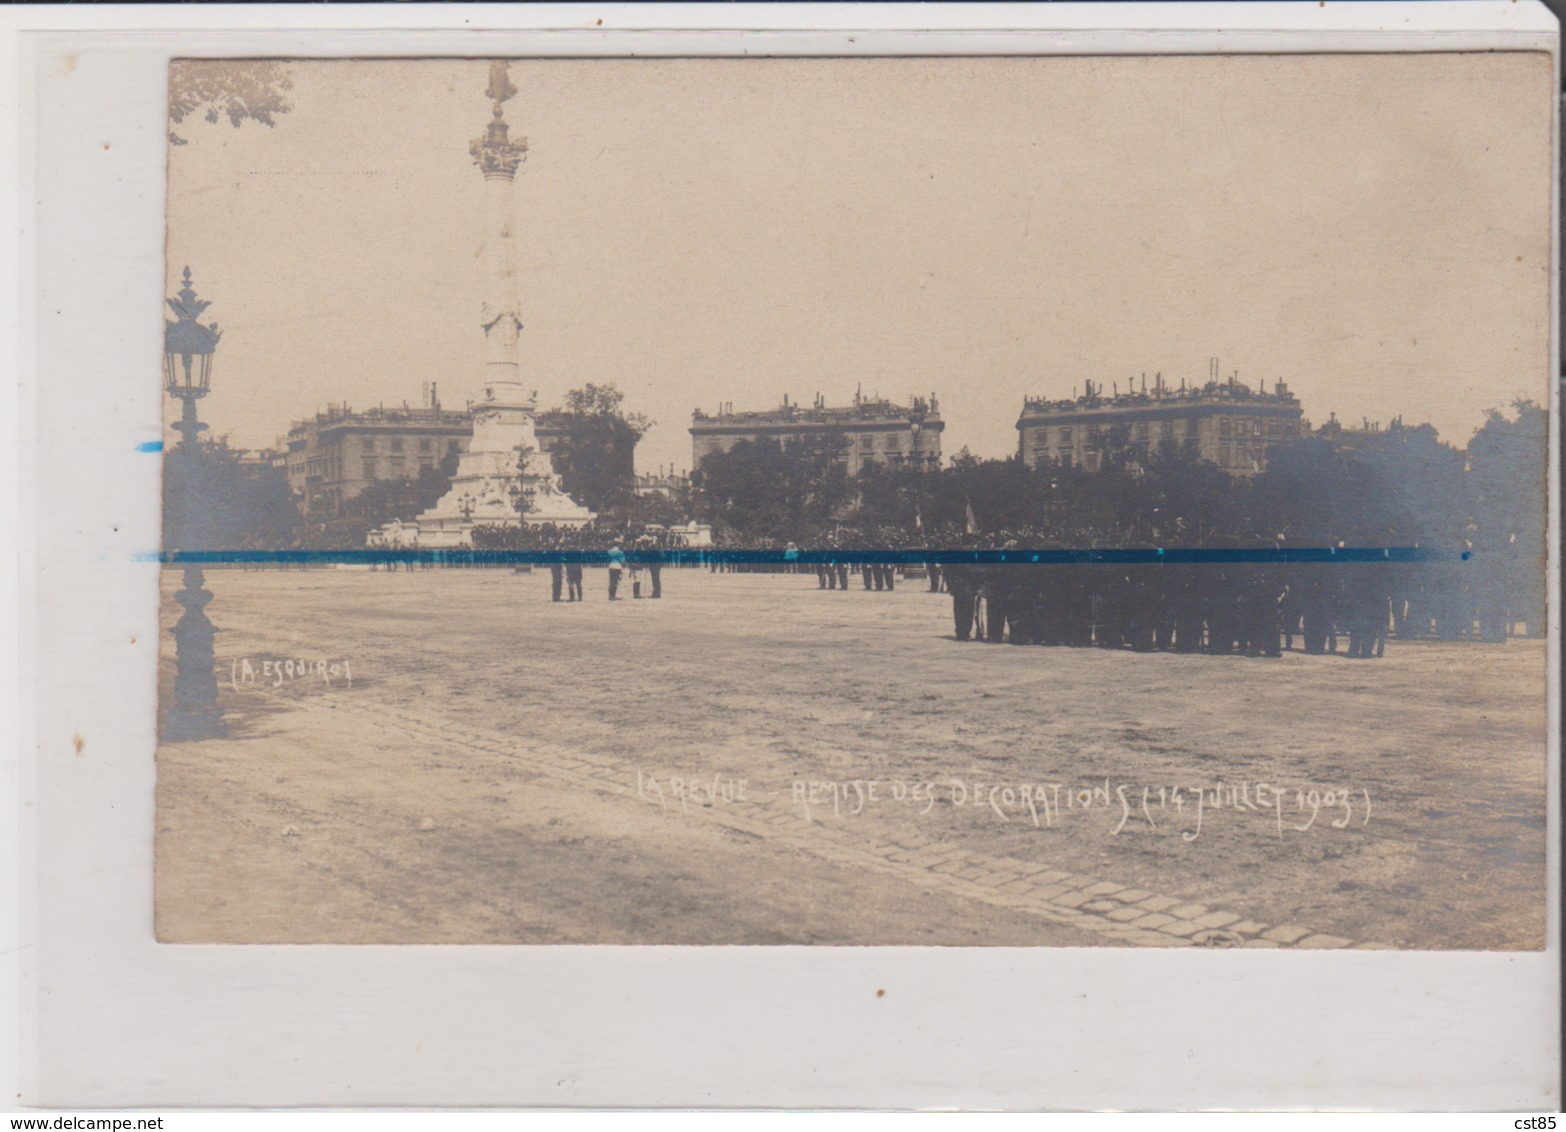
241, 90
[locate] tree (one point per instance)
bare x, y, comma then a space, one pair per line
1186, 498
774, 489
1508, 481
237, 89
1422, 479
1508, 487
595, 455
895, 495
1314, 493
214, 500
657, 508
1004, 494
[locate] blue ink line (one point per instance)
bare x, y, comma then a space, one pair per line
1167, 556
150, 446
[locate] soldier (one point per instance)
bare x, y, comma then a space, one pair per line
655, 567
1262, 593
1220, 586
1367, 609
999, 589
638, 565
1076, 605
1139, 602
1311, 586
556, 570
963, 586
573, 573
616, 565
1031, 612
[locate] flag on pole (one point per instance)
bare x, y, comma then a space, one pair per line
973, 523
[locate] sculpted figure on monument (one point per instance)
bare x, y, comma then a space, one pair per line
501, 88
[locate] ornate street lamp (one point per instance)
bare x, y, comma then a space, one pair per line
188, 347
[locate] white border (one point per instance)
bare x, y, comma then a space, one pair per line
116, 1020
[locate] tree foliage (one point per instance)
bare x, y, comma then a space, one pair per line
1402, 487
768, 488
240, 90
595, 455
213, 500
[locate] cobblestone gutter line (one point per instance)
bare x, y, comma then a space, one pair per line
1121, 914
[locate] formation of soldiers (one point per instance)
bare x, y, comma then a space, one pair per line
1234, 608
1229, 608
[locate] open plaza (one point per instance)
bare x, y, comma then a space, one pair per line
444, 756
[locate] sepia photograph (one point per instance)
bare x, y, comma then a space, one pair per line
1034, 501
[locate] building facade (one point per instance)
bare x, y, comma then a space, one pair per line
875, 430
333, 456
1225, 422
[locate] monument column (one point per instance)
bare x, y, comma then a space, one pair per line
502, 479
498, 158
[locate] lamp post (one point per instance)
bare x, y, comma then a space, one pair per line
187, 371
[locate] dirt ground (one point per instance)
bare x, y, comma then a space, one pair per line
1399, 800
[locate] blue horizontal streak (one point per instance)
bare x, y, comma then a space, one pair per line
1169, 556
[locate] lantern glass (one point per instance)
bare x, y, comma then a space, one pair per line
187, 357
188, 375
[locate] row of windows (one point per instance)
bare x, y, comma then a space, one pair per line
370, 468
862, 442
1141, 432
1067, 452
1270, 427
396, 467
425, 445
1242, 456
1145, 432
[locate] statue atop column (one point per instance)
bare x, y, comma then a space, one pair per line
500, 85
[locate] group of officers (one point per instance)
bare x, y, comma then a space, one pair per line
646, 569
878, 577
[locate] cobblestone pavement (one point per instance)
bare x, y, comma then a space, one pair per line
1119, 914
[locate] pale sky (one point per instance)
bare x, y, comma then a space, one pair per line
1372, 229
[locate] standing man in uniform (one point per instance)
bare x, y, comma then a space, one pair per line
573, 573
616, 565
962, 585
556, 569
655, 566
